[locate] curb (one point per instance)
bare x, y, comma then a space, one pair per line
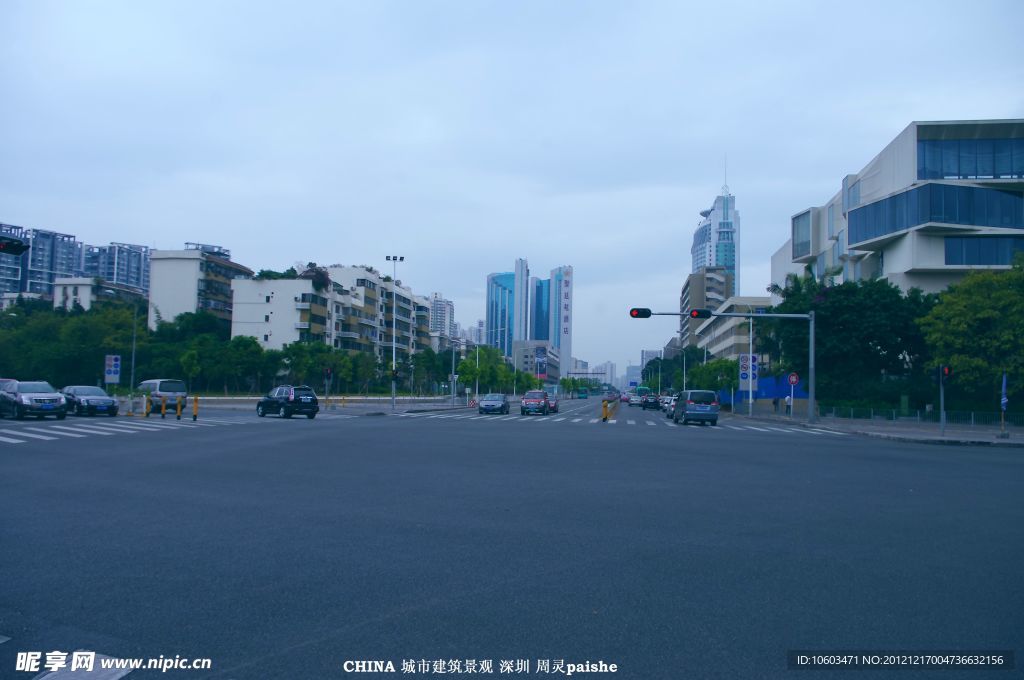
902, 437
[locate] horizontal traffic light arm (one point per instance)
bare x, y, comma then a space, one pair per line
742, 315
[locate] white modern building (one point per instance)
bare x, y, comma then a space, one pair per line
716, 241
86, 291
278, 312
941, 199
191, 280
560, 327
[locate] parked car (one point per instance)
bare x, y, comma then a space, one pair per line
650, 400
697, 405
535, 401
493, 403
287, 400
160, 389
89, 400
31, 398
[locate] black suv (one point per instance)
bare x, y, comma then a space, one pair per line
287, 400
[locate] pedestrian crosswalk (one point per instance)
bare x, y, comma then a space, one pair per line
18, 432
738, 426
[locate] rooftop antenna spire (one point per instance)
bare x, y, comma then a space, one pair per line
725, 186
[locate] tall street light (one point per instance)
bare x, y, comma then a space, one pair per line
394, 260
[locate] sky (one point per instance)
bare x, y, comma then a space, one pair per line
462, 135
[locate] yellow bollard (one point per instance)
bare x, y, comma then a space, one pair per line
149, 405
177, 409
195, 408
163, 407
604, 410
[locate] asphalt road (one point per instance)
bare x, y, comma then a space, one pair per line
282, 548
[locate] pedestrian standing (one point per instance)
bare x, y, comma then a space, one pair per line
789, 405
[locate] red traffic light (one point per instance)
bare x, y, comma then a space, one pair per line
700, 313
947, 372
639, 312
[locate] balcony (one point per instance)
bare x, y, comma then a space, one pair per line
347, 334
301, 305
302, 325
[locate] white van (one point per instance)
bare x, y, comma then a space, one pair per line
164, 387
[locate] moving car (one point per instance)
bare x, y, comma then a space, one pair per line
493, 403
697, 405
161, 389
670, 405
535, 401
31, 398
650, 400
553, 403
624, 397
89, 400
287, 400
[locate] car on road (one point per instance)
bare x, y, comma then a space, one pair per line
21, 398
670, 404
89, 400
164, 391
700, 406
535, 401
553, 403
650, 401
624, 398
493, 403
289, 400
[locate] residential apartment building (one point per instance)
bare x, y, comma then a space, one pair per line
727, 337
197, 278
442, 316
50, 256
537, 358
707, 288
123, 264
943, 198
716, 241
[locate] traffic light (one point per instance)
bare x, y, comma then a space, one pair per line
700, 313
639, 312
945, 373
12, 246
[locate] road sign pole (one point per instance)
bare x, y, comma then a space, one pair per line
812, 415
750, 371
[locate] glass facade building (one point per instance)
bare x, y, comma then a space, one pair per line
500, 310
540, 309
940, 198
716, 239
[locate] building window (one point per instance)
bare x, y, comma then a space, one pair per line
268, 298
266, 317
266, 338
970, 158
802, 235
982, 250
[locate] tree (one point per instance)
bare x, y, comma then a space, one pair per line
977, 328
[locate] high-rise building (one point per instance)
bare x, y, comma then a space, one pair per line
941, 199
123, 264
716, 242
521, 301
50, 256
560, 327
442, 316
500, 312
647, 355
708, 288
540, 309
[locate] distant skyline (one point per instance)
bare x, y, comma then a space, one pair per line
464, 135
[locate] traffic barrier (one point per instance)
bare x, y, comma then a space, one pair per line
195, 408
178, 407
149, 405
163, 407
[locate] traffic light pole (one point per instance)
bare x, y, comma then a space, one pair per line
812, 415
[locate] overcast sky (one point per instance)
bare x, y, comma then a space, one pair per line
465, 134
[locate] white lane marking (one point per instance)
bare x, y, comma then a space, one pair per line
49, 430
630, 422
842, 434
79, 428
12, 441
651, 422
478, 417
593, 420
670, 424
759, 429
612, 422
778, 429
812, 432
26, 434
576, 420
558, 420
733, 428
116, 428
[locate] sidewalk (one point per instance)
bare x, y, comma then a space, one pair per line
907, 431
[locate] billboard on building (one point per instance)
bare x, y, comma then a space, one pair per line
541, 362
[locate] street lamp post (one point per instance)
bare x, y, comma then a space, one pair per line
394, 260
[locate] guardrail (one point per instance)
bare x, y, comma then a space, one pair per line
959, 418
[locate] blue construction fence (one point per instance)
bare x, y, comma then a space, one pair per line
768, 387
